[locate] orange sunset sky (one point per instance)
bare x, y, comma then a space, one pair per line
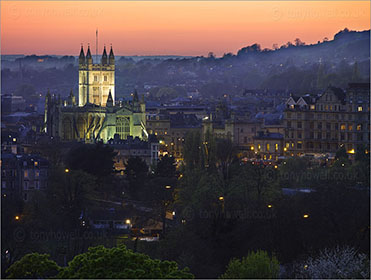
171, 27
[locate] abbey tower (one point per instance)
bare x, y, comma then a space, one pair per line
97, 80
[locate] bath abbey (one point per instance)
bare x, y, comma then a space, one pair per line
96, 116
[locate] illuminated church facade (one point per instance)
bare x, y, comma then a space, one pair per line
96, 116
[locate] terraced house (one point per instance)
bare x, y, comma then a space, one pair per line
320, 124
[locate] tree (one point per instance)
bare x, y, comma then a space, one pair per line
120, 263
96, 160
166, 167
33, 266
336, 263
136, 168
255, 266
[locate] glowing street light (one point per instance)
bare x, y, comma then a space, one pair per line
17, 218
221, 198
269, 205
128, 222
66, 170
306, 216
168, 187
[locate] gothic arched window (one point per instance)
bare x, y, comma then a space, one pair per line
123, 127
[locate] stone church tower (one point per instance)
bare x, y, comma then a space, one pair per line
96, 81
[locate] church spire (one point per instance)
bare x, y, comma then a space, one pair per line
89, 59
104, 56
109, 100
111, 57
82, 55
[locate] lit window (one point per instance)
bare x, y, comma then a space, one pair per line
95, 78
26, 173
312, 107
360, 108
105, 78
37, 173
268, 146
350, 127
342, 127
259, 147
359, 127
276, 147
36, 163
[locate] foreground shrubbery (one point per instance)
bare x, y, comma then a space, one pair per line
255, 266
98, 262
336, 263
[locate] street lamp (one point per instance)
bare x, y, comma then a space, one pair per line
269, 205
127, 221
66, 170
168, 187
16, 218
221, 198
306, 216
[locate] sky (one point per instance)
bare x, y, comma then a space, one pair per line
171, 27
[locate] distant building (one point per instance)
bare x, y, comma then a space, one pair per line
23, 175
96, 116
324, 123
134, 147
269, 146
171, 130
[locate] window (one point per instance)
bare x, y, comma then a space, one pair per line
299, 125
311, 125
299, 145
268, 146
105, 78
37, 185
311, 135
25, 173
319, 135
359, 127
350, 127
241, 130
350, 136
3, 184
319, 125
360, 108
259, 147
342, 126
319, 116
299, 135
328, 135
359, 137
342, 136
123, 127
288, 115
328, 126
36, 163
245, 139
95, 78
25, 185
276, 147
312, 107
299, 116
37, 173
288, 124
336, 126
